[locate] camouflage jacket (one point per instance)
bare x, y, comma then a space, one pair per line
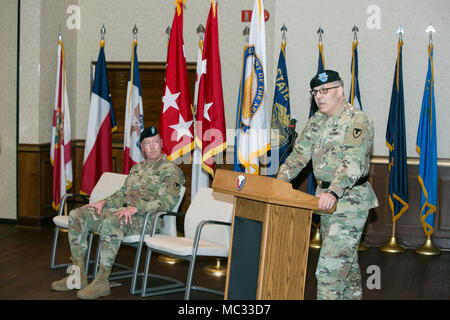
340, 148
150, 187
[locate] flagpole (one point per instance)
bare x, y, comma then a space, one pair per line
428, 248
355, 30
393, 246
316, 240
219, 269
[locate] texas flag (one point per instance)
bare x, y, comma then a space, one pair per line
134, 116
211, 135
101, 124
60, 150
176, 124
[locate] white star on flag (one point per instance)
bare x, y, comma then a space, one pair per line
202, 68
182, 128
205, 111
169, 100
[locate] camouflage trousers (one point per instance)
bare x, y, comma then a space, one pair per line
109, 227
338, 274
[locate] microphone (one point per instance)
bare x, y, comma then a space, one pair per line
292, 124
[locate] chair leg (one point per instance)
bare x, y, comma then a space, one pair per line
55, 243
88, 252
187, 293
97, 258
136, 269
147, 265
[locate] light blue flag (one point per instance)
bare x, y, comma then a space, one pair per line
426, 147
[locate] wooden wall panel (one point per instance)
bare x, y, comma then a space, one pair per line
34, 185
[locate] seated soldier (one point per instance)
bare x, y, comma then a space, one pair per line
152, 185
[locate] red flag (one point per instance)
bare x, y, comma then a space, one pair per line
211, 135
176, 120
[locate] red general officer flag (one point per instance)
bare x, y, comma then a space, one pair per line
211, 134
176, 120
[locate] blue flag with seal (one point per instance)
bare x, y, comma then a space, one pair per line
355, 96
426, 147
237, 165
281, 116
396, 142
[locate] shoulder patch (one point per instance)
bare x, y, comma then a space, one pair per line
355, 133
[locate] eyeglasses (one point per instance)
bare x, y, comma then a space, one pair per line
322, 91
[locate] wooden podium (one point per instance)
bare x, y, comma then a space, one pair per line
269, 238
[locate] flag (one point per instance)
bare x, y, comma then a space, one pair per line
60, 150
134, 116
237, 166
427, 149
254, 135
211, 134
199, 178
355, 96
396, 142
281, 115
176, 123
101, 123
312, 183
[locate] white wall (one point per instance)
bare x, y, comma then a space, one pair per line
8, 87
377, 52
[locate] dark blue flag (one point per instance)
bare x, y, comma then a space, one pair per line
312, 183
396, 142
281, 116
427, 149
355, 97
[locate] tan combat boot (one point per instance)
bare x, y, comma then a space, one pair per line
61, 285
97, 288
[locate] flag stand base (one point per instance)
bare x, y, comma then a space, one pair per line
428, 249
362, 247
169, 260
392, 246
218, 270
316, 241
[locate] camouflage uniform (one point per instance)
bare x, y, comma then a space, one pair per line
339, 147
150, 187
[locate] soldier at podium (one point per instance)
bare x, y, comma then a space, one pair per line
338, 139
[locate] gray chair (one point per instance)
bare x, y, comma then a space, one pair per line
207, 233
136, 241
107, 184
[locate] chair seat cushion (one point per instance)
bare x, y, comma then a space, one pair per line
183, 246
62, 221
132, 238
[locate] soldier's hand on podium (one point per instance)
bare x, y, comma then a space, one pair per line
326, 201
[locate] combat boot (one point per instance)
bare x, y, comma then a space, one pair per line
61, 285
97, 288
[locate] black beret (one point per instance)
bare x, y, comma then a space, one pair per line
326, 76
148, 133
